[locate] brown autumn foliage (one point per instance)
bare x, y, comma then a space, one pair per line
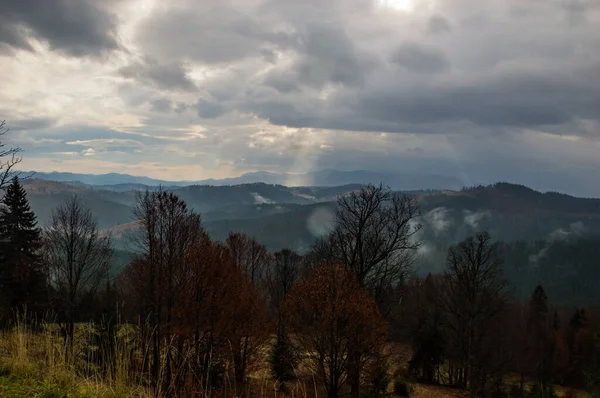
194, 301
330, 316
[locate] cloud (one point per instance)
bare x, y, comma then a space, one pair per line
209, 110
76, 28
170, 76
438, 219
474, 218
437, 24
88, 152
210, 33
419, 59
484, 91
574, 230
163, 105
31, 124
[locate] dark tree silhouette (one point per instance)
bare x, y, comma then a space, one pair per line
9, 158
540, 338
21, 276
249, 255
374, 237
283, 272
78, 258
168, 229
474, 295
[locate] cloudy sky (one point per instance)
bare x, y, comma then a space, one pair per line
186, 89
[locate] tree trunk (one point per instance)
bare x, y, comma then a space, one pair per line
354, 373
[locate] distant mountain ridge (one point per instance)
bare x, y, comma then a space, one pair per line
326, 177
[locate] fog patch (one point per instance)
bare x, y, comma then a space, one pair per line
474, 218
261, 200
321, 221
438, 219
574, 230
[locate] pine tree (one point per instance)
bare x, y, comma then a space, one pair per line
540, 337
21, 278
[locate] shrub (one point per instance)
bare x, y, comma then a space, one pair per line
283, 360
403, 388
539, 391
379, 379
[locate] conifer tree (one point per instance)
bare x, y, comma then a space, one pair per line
541, 343
21, 277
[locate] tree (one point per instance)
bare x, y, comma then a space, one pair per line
9, 158
473, 299
78, 257
168, 230
540, 337
226, 313
251, 258
330, 315
374, 237
21, 275
424, 320
249, 255
283, 272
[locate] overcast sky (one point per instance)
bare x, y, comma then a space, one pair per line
185, 89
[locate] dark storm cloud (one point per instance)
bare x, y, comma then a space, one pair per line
520, 100
169, 75
498, 71
328, 55
416, 58
494, 67
74, 27
209, 33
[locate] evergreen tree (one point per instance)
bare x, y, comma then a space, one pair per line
540, 336
21, 277
538, 307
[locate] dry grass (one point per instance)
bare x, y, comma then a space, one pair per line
33, 364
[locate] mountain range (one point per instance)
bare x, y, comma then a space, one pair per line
326, 177
282, 216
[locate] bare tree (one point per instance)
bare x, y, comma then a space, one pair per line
281, 276
168, 230
374, 237
9, 158
78, 258
473, 297
283, 272
249, 255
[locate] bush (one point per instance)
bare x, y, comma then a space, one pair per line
379, 379
537, 391
283, 360
403, 388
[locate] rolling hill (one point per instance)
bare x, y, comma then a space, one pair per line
531, 223
283, 216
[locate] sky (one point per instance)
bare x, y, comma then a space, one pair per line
187, 90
